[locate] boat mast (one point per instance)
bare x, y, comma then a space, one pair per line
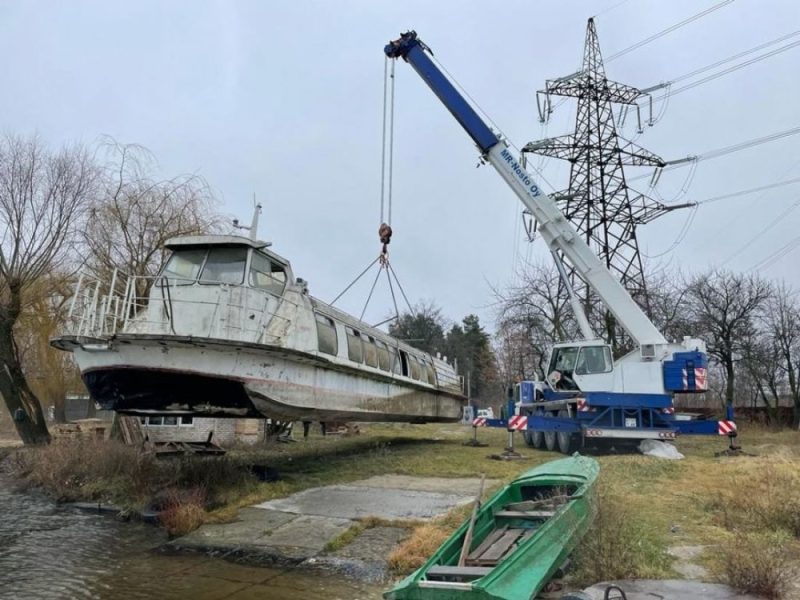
253, 229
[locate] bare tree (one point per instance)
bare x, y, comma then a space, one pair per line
43, 197
724, 307
782, 319
137, 213
532, 314
762, 370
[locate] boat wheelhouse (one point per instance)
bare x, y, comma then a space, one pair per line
227, 330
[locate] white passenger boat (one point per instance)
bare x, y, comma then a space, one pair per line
227, 331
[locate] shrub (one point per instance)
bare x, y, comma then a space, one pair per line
764, 500
617, 544
71, 469
759, 564
183, 511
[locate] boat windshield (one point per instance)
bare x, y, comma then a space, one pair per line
224, 265
184, 266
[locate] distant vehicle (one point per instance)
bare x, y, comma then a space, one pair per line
486, 413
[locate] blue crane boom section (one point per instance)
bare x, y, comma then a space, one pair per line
412, 50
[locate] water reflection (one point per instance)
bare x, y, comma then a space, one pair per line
50, 552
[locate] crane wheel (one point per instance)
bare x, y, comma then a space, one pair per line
534, 438
567, 442
550, 441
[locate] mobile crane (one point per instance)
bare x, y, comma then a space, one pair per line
586, 393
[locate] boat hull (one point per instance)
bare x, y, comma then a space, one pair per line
143, 374
525, 572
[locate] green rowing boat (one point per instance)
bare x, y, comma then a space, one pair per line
516, 541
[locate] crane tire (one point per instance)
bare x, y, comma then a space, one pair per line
534, 438
567, 442
550, 441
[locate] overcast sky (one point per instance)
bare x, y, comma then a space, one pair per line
284, 100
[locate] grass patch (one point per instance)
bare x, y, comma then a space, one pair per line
425, 538
619, 545
349, 535
183, 512
652, 504
758, 563
109, 471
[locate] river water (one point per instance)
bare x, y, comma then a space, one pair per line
53, 552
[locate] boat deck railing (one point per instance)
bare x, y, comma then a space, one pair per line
153, 305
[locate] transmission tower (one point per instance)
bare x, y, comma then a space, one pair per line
598, 201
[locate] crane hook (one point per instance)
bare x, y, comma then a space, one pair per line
385, 235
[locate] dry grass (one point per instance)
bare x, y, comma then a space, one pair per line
87, 470
414, 551
109, 471
758, 563
425, 538
619, 545
696, 501
183, 511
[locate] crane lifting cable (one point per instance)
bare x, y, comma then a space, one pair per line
385, 228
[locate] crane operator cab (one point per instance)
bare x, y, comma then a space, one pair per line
587, 366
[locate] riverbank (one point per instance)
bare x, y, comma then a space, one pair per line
49, 551
722, 508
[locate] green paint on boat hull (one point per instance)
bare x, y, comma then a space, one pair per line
524, 572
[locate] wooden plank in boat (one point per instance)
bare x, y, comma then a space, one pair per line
525, 514
463, 573
547, 503
487, 543
497, 550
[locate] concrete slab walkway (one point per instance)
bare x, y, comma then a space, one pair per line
298, 528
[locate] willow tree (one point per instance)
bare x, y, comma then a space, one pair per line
44, 195
136, 212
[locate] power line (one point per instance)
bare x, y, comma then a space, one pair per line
727, 71
778, 254
668, 30
720, 62
725, 150
772, 224
610, 8
749, 191
748, 144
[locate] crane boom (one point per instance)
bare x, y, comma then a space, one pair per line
555, 229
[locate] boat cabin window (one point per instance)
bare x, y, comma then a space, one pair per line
394, 357
326, 335
404, 364
384, 360
184, 266
370, 351
415, 371
354, 349
431, 373
594, 359
266, 274
224, 265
